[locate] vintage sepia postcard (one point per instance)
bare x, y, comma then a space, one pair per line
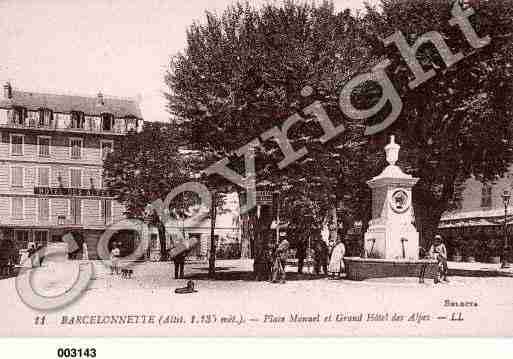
263, 168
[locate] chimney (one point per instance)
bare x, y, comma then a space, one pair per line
100, 99
7, 90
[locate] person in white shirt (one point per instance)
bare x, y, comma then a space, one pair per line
439, 252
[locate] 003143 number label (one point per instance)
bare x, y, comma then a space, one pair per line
76, 353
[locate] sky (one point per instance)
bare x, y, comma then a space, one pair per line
120, 48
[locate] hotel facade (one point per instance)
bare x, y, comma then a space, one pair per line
52, 149
482, 223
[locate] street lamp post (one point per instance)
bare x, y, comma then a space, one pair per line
506, 196
277, 216
213, 215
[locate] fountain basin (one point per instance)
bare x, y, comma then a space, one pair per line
365, 268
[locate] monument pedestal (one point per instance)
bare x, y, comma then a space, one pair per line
402, 243
391, 233
391, 242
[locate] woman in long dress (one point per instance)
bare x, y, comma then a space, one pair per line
85, 252
336, 266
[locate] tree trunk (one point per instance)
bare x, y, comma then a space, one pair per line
430, 229
212, 259
261, 264
248, 227
333, 236
162, 236
429, 209
427, 220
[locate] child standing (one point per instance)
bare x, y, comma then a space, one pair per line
114, 258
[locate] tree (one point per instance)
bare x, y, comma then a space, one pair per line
456, 124
242, 73
145, 167
245, 71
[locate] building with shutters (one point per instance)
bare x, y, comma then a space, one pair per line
476, 228
51, 158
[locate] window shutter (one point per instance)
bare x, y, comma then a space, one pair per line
17, 145
44, 177
76, 178
76, 210
76, 148
17, 177
44, 209
106, 210
17, 207
44, 147
486, 195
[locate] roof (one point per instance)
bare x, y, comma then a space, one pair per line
119, 107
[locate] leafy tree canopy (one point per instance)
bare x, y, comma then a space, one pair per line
242, 73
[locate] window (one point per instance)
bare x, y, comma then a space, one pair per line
154, 241
107, 121
106, 148
44, 146
45, 117
41, 238
17, 208
22, 238
101, 181
75, 210
17, 145
75, 145
77, 120
196, 250
106, 210
486, 195
131, 124
18, 115
43, 206
17, 176
32, 118
94, 123
75, 175
43, 174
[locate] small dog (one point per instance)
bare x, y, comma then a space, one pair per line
127, 273
188, 289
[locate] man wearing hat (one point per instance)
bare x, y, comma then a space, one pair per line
439, 252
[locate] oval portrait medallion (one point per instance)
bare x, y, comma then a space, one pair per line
400, 201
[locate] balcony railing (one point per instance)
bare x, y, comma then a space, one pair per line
56, 126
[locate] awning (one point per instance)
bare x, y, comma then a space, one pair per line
475, 222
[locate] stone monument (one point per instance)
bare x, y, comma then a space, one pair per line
391, 233
391, 242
